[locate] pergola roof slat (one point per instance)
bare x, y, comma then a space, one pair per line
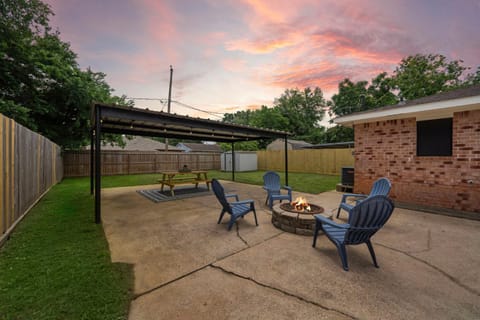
141, 122
115, 118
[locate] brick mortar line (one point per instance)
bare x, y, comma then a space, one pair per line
447, 275
283, 292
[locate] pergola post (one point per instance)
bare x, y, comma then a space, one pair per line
98, 166
233, 161
286, 161
92, 166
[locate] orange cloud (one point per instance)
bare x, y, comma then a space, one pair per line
258, 46
161, 23
253, 107
266, 11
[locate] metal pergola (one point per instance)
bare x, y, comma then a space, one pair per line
143, 122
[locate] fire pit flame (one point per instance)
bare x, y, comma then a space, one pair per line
301, 204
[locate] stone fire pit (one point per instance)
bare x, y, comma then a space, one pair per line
285, 217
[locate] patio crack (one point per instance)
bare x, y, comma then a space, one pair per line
138, 295
446, 274
141, 294
240, 237
283, 292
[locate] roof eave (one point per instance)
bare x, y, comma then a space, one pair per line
425, 111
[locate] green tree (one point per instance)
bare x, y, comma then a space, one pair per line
297, 112
423, 75
240, 146
351, 97
303, 109
338, 134
380, 92
473, 78
270, 118
22, 23
41, 84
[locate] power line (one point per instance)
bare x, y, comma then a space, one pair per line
212, 113
163, 101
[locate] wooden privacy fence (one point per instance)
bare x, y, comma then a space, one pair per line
77, 163
29, 165
323, 161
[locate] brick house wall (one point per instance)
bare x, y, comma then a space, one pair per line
388, 149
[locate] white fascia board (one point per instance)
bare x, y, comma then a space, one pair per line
426, 111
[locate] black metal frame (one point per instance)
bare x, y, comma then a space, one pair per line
143, 122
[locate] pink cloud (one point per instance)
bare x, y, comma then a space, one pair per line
234, 65
162, 22
259, 46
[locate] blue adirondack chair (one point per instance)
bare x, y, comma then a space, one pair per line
380, 187
364, 221
271, 183
236, 209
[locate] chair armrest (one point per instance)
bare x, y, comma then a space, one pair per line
242, 202
325, 220
357, 195
289, 189
232, 195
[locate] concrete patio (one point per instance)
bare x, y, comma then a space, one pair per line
189, 267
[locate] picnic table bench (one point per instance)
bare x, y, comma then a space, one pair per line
174, 178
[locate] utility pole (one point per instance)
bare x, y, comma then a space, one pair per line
169, 101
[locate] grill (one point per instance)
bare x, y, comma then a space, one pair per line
348, 176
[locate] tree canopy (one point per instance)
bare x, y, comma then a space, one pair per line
42, 86
300, 112
415, 77
295, 111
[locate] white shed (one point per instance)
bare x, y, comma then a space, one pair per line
244, 161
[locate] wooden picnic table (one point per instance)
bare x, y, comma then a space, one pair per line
174, 178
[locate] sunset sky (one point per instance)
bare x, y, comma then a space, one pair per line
231, 55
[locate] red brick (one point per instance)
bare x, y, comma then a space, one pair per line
394, 155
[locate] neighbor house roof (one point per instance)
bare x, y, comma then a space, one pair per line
138, 143
199, 147
441, 105
298, 143
334, 145
295, 144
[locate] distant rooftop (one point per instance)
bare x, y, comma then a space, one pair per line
199, 147
140, 144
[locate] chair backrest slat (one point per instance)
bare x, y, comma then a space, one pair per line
271, 180
220, 194
366, 218
381, 187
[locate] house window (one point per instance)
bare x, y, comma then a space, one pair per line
434, 137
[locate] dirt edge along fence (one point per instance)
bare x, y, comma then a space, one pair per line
29, 165
77, 163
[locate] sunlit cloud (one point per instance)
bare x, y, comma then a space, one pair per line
253, 107
237, 54
259, 46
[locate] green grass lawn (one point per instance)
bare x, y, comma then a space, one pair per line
57, 264
303, 182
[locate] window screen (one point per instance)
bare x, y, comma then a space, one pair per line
434, 137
